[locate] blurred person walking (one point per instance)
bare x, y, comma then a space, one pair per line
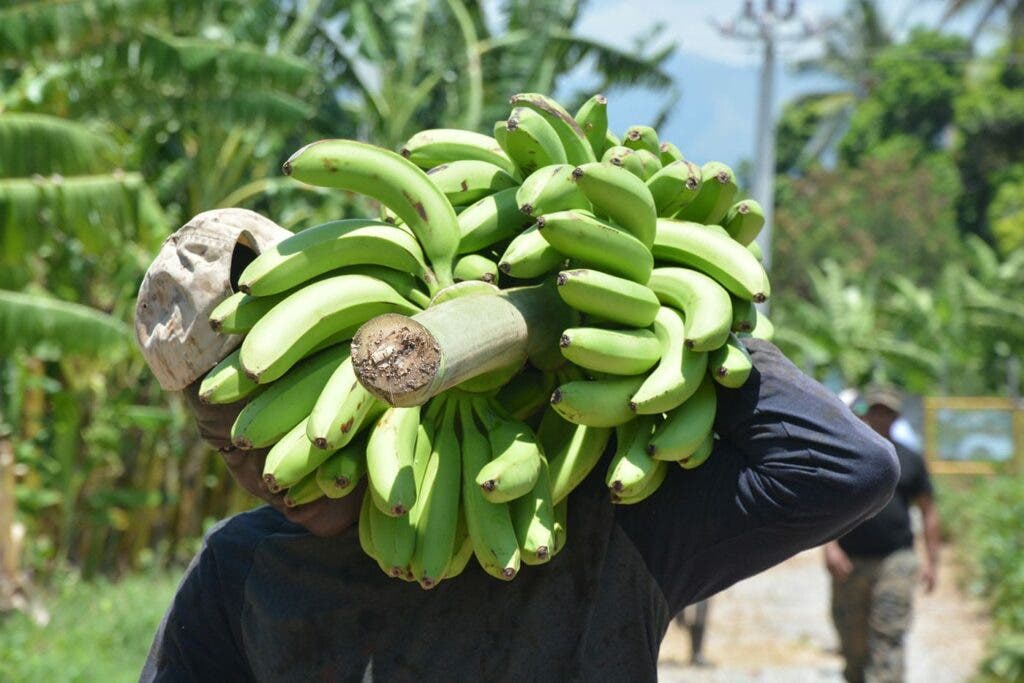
694, 618
874, 566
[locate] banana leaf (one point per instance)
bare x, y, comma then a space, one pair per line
28, 320
40, 144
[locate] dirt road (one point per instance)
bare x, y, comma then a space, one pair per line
775, 627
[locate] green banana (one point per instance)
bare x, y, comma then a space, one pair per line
394, 540
390, 450
755, 249
463, 553
646, 488
631, 466
286, 402
226, 382
561, 524
577, 147
730, 364
533, 518
611, 140
303, 492
717, 255
239, 312
615, 352
342, 471
392, 180
475, 267
529, 255
701, 455
307, 254
582, 236
526, 393
550, 189
530, 141
744, 221
430, 148
679, 372
717, 190
608, 296
621, 196
439, 495
639, 162
404, 283
596, 403
365, 532
339, 409
311, 315
491, 220
461, 289
763, 328
642, 137
572, 462
468, 180
489, 525
685, 427
669, 153
744, 314
291, 459
643, 165
674, 186
592, 118
705, 305
515, 457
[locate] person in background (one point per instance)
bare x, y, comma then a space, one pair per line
695, 620
874, 567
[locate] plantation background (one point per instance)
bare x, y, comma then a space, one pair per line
898, 253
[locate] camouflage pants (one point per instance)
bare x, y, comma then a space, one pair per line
872, 611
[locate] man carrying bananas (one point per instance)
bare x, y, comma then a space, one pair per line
280, 594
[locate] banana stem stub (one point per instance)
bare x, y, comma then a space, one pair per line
405, 361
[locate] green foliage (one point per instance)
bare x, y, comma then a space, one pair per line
912, 94
99, 631
893, 213
990, 125
27, 321
990, 540
952, 336
1006, 212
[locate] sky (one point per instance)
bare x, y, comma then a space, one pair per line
718, 77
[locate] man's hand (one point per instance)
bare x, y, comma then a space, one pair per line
929, 577
837, 562
323, 517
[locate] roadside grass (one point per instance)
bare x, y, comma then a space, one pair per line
98, 631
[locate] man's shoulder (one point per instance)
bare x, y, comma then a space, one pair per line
243, 532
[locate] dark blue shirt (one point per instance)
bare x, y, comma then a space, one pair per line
793, 468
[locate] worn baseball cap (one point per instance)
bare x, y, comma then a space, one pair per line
884, 395
196, 268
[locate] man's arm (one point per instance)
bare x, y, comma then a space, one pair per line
932, 541
200, 636
837, 561
793, 468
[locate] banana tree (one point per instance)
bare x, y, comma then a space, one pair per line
28, 321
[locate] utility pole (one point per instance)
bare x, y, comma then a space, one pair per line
766, 27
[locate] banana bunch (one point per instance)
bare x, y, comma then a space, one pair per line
653, 255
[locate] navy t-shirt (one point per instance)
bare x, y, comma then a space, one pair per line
890, 530
793, 468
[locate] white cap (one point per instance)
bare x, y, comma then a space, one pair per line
190, 275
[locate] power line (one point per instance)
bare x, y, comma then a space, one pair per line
768, 26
